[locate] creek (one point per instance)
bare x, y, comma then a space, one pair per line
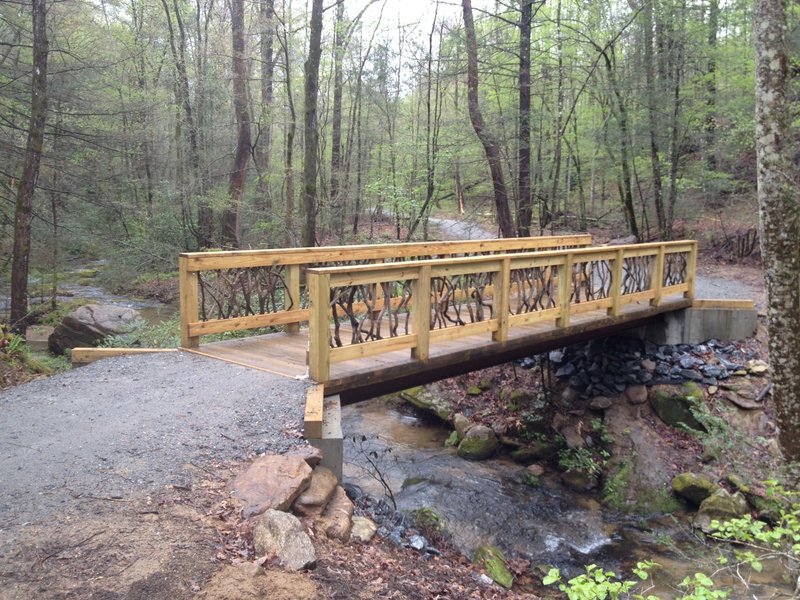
485, 502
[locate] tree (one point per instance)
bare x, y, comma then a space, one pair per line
23, 210
230, 232
490, 146
524, 152
310, 130
780, 218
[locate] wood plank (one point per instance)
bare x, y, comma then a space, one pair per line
589, 306
319, 285
249, 322
188, 302
313, 417
460, 331
533, 317
421, 314
401, 342
741, 304
84, 356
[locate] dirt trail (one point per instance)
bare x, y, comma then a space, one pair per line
108, 473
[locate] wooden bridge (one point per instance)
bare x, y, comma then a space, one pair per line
366, 320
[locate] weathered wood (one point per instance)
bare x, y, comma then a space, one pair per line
84, 356
313, 417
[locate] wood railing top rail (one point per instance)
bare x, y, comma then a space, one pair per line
202, 261
470, 263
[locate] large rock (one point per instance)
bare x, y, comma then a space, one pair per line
363, 529
693, 487
720, 506
282, 535
89, 325
425, 400
312, 502
338, 518
674, 404
271, 482
479, 443
493, 561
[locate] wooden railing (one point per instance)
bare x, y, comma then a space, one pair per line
249, 289
364, 310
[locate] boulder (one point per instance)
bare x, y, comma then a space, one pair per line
310, 454
271, 482
479, 443
425, 400
720, 506
282, 535
600, 403
312, 502
537, 451
363, 529
337, 521
693, 487
493, 561
674, 404
89, 325
461, 424
636, 394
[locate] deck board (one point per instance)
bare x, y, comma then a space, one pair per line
285, 353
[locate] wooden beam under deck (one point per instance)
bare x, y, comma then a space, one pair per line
354, 380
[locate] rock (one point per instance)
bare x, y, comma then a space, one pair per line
720, 506
485, 385
337, 521
310, 454
743, 388
474, 390
537, 470
570, 395
556, 356
363, 529
417, 542
693, 487
756, 367
565, 371
427, 401
89, 325
493, 561
537, 451
452, 440
636, 394
271, 482
600, 403
648, 365
578, 480
312, 502
461, 424
479, 443
743, 403
572, 435
282, 535
673, 405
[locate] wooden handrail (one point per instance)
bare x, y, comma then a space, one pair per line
273, 276
442, 290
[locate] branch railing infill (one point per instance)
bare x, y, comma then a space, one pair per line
250, 289
365, 310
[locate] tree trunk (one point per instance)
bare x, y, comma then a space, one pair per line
525, 214
23, 210
490, 147
653, 121
780, 218
711, 86
264, 146
230, 217
311, 134
336, 208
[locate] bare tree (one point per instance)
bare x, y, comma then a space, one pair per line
310, 131
490, 146
23, 210
780, 218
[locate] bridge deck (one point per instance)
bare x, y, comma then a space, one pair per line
286, 353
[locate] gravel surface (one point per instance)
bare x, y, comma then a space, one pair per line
132, 425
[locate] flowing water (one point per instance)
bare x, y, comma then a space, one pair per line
485, 502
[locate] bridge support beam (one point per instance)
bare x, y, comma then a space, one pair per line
705, 320
328, 438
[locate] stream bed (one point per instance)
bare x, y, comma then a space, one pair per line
485, 502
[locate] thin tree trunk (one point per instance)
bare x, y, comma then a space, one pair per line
653, 121
264, 146
525, 214
336, 209
23, 210
311, 134
230, 217
487, 140
780, 218
711, 86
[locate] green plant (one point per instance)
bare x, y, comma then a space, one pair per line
580, 459
599, 584
599, 428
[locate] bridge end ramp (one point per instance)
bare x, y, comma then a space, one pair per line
323, 427
705, 320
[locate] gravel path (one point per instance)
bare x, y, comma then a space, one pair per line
132, 425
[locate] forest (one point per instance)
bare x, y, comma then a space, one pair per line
195, 124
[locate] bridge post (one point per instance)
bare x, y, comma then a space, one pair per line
616, 283
691, 271
502, 289
293, 293
658, 277
319, 366
421, 313
565, 290
188, 304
